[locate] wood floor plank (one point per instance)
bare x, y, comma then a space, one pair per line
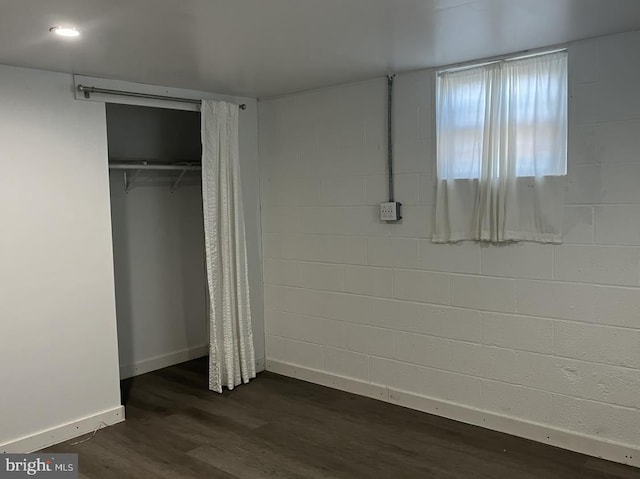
278, 427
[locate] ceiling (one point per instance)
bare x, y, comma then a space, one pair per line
265, 48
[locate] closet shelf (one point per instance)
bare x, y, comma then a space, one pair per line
127, 166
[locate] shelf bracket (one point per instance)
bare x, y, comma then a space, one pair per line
174, 187
128, 180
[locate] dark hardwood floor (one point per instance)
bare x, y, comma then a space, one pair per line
277, 427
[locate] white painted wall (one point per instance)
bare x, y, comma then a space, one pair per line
57, 310
160, 275
516, 335
250, 176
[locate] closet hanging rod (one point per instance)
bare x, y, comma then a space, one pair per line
134, 166
88, 90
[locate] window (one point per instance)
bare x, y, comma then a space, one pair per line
503, 118
502, 150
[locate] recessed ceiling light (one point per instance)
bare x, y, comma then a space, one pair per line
65, 31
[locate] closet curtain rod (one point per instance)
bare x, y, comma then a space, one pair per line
88, 90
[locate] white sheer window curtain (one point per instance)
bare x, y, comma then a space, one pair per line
231, 351
502, 151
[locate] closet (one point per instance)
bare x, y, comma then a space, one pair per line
158, 236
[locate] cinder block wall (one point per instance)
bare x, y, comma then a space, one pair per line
539, 333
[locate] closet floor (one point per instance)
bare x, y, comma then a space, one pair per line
285, 428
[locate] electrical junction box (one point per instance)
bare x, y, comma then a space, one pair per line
390, 211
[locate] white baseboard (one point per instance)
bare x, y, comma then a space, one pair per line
64, 432
260, 365
573, 441
163, 361
171, 359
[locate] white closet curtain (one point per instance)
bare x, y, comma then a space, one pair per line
501, 151
231, 354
